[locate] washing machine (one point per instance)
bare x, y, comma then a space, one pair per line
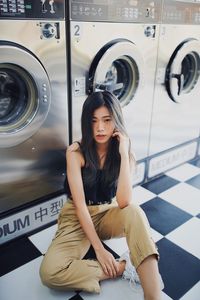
176, 109
114, 47
33, 101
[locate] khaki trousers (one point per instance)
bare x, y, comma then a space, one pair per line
63, 267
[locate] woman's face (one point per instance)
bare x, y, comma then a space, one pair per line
103, 125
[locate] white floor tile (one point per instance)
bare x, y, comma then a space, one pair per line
184, 196
117, 289
165, 296
24, 283
156, 235
187, 236
43, 239
141, 195
119, 245
184, 172
193, 294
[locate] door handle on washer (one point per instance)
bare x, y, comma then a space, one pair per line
109, 86
180, 79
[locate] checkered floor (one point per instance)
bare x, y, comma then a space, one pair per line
172, 205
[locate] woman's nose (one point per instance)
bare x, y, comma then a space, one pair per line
100, 126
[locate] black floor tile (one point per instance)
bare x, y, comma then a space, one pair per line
195, 163
163, 216
91, 253
194, 181
77, 296
16, 253
179, 269
160, 184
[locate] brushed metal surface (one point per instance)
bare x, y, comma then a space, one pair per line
174, 123
35, 167
92, 37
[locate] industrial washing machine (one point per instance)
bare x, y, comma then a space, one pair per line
114, 47
176, 109
33, 101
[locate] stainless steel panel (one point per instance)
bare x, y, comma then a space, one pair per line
35, 167
174, 123
87, 38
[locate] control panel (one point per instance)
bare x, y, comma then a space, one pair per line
146, 11
181, 12
32, 9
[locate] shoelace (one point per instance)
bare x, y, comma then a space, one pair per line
133, 279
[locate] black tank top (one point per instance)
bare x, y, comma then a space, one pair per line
98, 193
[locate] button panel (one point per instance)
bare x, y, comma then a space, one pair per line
32, 9
116, 11
181, 12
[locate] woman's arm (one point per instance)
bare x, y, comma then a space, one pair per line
74, 163
124, 187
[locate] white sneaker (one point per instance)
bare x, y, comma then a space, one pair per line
130, 272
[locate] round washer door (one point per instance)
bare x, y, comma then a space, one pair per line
24, 94
183, 70
117, 67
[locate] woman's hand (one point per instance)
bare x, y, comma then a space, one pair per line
107, 262
73, 147
123, 142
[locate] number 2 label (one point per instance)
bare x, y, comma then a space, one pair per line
77, 32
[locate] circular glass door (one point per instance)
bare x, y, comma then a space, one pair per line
18, 98
24, 94
183, 70
117, 67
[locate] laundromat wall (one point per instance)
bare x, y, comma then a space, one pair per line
53, 54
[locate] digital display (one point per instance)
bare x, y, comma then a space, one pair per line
117, 11
10, 7
32, 9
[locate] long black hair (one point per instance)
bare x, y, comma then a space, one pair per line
88, 145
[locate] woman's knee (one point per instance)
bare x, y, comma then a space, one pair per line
132, 210
133, 213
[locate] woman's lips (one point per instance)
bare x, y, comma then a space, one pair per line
100, 136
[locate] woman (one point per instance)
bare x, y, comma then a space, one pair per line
100, 207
